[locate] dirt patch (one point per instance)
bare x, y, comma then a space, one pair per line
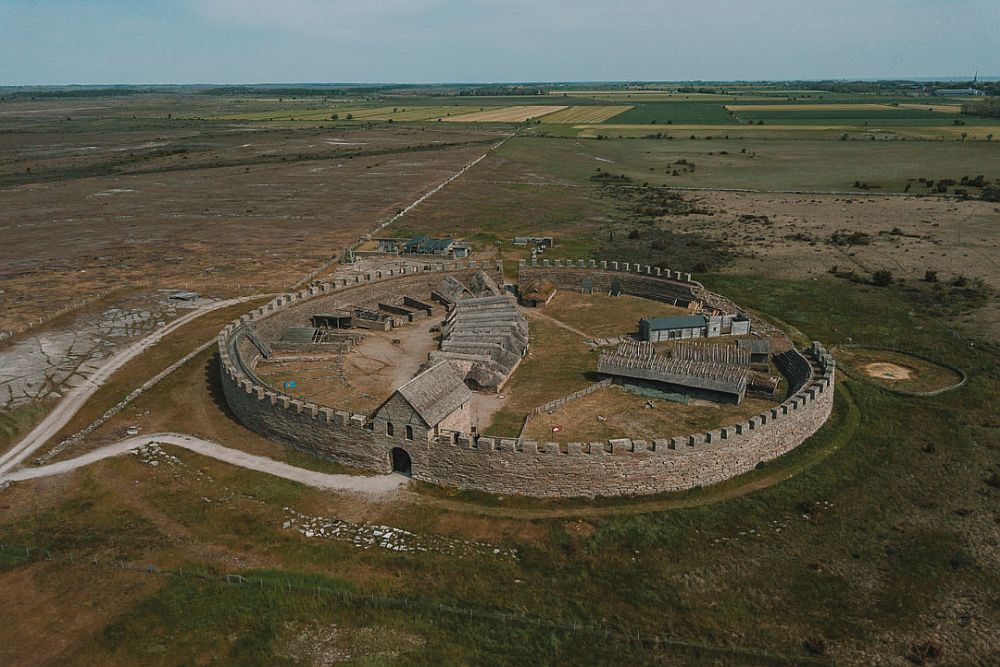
887, 371
897, 370
361, 379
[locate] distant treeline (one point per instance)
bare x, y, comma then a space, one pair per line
303, 91
988, 107
490, 91
42, 94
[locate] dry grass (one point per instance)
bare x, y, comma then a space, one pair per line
221, 212
558, 363
603, 316
939, 108
626, 416
587, 114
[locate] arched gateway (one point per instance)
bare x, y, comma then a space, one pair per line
401, 462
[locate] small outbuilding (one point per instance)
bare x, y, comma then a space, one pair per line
760, 349
655, 329
537, 292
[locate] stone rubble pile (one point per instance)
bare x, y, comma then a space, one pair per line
371, 536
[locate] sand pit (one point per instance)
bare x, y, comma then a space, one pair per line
886, 371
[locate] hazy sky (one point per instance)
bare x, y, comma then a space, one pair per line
242, 41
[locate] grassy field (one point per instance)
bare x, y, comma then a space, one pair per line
888, 531
875, 542
511, 114
757, 163
676, 113
624, 412
895, 370
557, 364
603, 316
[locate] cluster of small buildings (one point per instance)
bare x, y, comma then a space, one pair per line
483, 339
424, 245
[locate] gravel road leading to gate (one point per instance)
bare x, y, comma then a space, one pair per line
379, 484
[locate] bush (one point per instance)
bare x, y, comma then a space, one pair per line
882, 278
930, 276
846, 237
990, 193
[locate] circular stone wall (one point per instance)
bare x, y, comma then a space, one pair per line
509, 466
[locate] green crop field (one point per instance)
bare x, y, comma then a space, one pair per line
678, 113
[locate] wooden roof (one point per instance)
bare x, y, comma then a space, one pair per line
436, 393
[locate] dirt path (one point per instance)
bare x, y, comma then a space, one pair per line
534, 313
406, 209
75, 399
379, 484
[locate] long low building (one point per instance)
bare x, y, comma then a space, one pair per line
681, 327
723, 382
486, 337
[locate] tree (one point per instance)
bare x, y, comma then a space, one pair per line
335, 116
350, 116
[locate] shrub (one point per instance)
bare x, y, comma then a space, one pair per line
882, 278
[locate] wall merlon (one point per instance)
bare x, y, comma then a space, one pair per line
620, 445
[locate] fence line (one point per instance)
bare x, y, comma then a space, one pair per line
552, 405
284, 584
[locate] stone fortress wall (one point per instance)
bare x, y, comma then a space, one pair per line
511, 466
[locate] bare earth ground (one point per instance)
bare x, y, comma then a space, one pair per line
888, 371
360, 380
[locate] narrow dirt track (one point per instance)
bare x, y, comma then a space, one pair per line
379, 484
